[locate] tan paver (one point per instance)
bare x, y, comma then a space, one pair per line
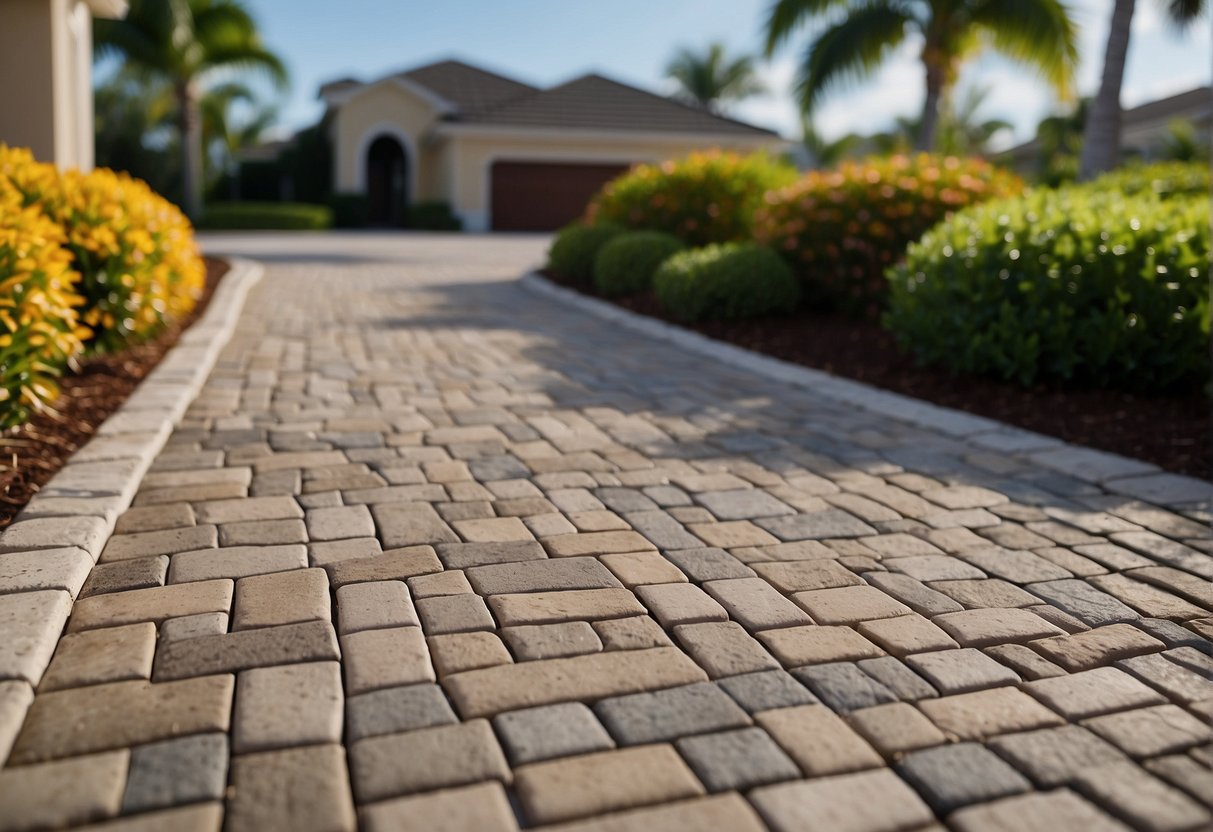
289, 705
154, 604
576, 787
376, 659
56, 794
818, 740
121, 715
281, 598
431, 758
93, 657
483, 807
296, 788
875, 801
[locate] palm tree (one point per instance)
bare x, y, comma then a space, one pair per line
859, 34
828, 153
1101, 137
711, 79
962, 132
224, 136
185, 42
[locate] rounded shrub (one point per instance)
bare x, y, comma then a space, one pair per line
40, 331
707, 197
1075, 285
627, 263
139, 264
572, 253
726, 280
1163, 179
840, 229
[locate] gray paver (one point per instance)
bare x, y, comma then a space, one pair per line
669, 714
537, 734
175, 772
737, 759
952, 776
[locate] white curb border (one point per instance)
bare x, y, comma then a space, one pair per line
48, 552
1117, 474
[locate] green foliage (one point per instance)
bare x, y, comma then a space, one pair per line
1163, 179
1080, 285
432, 216
349, 210
282, 216
840, 229
575, 247
705, 198
710, 79
627, 263
722, 281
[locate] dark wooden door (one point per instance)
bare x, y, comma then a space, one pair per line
543, 196
386, 182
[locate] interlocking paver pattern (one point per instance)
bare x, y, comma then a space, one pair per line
430, 551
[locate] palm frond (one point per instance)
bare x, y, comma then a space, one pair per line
1182, 13
1038, 33
786, 16
850, 49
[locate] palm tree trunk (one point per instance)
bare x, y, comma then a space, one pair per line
1101, 136
191, 149
929, 123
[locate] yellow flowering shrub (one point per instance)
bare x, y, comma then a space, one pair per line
841, 229
135, 251
708, 197
40, 331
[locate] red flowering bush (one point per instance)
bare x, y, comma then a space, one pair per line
841, 229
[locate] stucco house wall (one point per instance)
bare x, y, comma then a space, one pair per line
46, 60
386, 109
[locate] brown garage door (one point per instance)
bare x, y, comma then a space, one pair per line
543, 196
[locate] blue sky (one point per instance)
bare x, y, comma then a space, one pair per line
544, 42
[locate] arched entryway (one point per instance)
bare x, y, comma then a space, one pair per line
387, 172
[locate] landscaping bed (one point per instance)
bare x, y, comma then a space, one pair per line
30, 454
1172, 431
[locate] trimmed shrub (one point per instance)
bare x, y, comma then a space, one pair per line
572, 253
139, 265
433, 216
840, 229
730, 280
268, 216
1076, 285
40, 331
350, 210
705, 198
626, 264
1163, 179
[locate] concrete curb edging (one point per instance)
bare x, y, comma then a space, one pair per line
1118, 474
48, 552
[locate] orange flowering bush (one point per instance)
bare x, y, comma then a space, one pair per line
841, 229
135, 251
708, 197
40, 331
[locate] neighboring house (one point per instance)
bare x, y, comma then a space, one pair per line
46, 76
505, 155
1144, 130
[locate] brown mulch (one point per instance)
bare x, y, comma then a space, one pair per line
1170, 431
32, 453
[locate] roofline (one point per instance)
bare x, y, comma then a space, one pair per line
668, 99
432, 98
457, 128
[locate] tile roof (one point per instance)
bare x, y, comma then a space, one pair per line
467, 87
590, 102
593, 102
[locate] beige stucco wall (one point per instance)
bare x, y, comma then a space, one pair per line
46, 92
384, 109
471, 158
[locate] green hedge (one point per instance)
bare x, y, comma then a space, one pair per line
575, 247
1079, 285
350, 210
626, 264
1163, 179
731, 280
282, 216
432, 216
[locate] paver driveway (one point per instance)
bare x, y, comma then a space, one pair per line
431, 552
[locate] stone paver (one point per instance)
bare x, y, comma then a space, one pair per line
432, 551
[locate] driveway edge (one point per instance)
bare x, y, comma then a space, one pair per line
48, 552
1117, 474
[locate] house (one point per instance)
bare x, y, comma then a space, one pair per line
46, 63
503, 154
1145, 130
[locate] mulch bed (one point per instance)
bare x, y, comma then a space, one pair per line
32, 453
1172, 431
